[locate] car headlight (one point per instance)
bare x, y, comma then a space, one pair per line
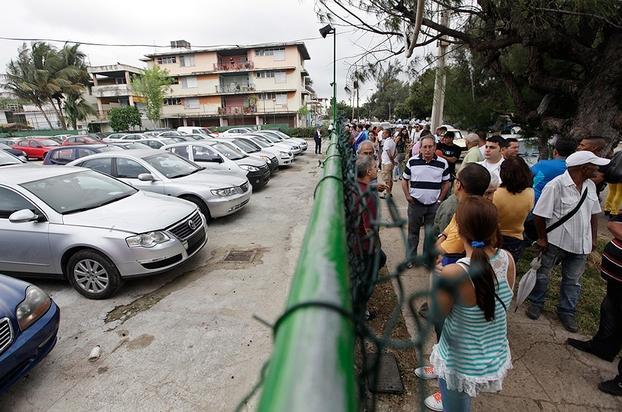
227, 191
266, 158
284, 153
36, 303
147, 239
249, 168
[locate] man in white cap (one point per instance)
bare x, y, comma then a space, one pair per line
565, 218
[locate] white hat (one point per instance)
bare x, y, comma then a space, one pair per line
584, 157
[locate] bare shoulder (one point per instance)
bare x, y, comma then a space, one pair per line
452, 271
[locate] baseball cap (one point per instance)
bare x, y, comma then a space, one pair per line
583, 157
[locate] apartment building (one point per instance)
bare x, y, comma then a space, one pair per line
258, 84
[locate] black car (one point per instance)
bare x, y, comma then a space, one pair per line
64, 154
17, 153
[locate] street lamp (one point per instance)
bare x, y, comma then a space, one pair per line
325, 31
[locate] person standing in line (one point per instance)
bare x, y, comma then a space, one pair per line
426, 183
572, 200
607, 342
546, 170
510, 148
482, 141
361, 137
492, 155
449, 151
317, 137
473, 353
598, 146
613, 177
387, 159
473, 155
400, 147
514, 200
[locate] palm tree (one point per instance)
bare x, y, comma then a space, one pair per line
70, 75
77, 109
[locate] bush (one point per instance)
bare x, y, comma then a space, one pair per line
304, 132
122, 118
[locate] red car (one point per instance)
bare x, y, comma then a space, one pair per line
36, 147
81, 139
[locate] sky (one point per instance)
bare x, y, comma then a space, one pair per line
202, 23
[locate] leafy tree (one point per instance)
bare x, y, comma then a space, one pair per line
344, 111
77, 109
122, 118
153, 85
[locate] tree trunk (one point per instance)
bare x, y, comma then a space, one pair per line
45, 115
599, 107
59, 113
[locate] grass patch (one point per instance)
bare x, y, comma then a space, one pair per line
592, 289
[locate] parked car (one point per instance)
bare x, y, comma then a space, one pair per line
275, 142
80, 139
157, 142
301, 142
29, 321
65, 154
284, 155
36, 147
21, 155
130, 145
92, 229
10, 141
196, 130
168, 174
7, 159
258, 171
204, 155
236, 131
169, 133
123, 137
295, 148
253, 150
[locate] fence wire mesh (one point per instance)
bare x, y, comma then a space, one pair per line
365, 273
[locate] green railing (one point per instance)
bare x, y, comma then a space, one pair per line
312, 364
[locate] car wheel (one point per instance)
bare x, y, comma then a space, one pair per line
93, 274
200, 204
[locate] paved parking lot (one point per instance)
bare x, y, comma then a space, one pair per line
184, 340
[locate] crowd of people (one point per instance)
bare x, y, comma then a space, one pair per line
484, 211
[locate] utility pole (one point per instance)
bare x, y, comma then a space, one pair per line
440, 78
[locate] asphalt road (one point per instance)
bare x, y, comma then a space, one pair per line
186, 339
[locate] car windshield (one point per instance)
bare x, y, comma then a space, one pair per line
3, 146
172, 166
248, 147
230, 152
76, 192
282, 135
197, 136
7, 159
108, 149
271, 138
260, 142
47, 142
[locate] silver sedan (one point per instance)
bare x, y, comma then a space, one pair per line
168, 174
73, 223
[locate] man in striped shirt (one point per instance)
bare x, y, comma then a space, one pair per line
426, 183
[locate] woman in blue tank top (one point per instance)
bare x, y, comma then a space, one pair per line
473, 354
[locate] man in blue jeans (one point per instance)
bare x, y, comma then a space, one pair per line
570, 242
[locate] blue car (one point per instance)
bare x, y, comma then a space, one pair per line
28, 326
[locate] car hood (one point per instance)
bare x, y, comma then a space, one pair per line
12, 292
208, 180
131, 214
249, 160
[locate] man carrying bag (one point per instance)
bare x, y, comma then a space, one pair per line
565, 218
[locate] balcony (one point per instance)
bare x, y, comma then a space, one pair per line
232, 66
113, 90
237, 110
235, 88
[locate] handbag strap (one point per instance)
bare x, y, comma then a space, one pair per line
570, 214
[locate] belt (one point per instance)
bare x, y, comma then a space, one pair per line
423, 204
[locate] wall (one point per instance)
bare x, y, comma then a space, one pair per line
202, 62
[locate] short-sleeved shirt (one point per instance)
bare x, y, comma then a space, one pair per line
474, 155
492, 167
544, 171
450, 151
453, 242
558, 198
611, 265
426, 178
513, 209
388, 148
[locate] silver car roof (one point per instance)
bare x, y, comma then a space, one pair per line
19, 174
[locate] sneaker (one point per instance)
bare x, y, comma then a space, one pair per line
569, 322
426, 372
612, 387
434, 402
534, 312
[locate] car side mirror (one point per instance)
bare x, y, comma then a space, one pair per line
23, 216
146, 177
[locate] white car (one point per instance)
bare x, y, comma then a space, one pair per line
236, 131
158, 142
294, 147
196, 130
168, 174
301, 142
124, 137
284, 155
251, 149
204, 155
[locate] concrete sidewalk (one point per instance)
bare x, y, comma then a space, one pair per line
548, 375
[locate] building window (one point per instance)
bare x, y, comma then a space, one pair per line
172, 101
267, 96
277, 52
186, 61
265, 74
167, 60
189, 82
191, 103
280, 77
281, 98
